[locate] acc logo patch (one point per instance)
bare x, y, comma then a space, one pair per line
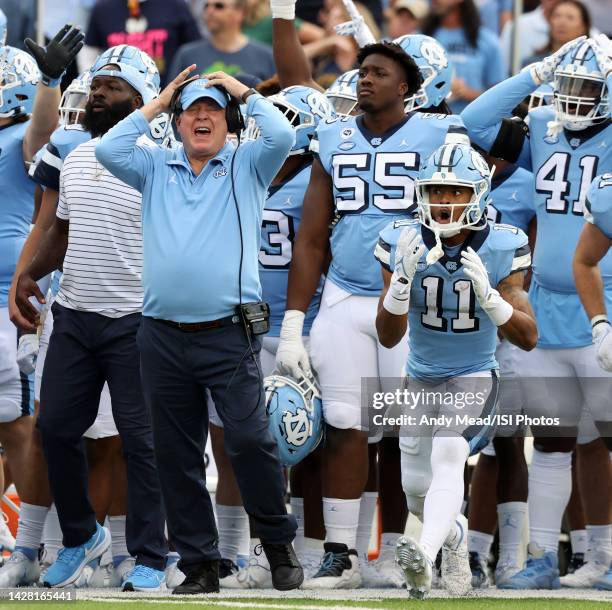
347, 133
346, 145
220, 172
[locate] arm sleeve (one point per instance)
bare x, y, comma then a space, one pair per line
118, 152
269, 151
483, 117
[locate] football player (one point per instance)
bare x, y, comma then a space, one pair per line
459, 280
565, 145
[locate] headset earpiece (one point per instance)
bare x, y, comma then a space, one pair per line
233, 117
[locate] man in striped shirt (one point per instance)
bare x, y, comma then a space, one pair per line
97, 235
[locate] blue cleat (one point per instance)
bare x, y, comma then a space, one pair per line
71, 561
143, 578
605, 582
540, 572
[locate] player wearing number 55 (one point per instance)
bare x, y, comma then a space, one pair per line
202, 206
458, 280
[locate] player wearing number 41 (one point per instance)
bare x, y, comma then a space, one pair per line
362, 178
565, 145
458, 280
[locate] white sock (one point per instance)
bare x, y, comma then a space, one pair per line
30, 527
599, 543
388, 539
455, 536
579, 540
480, 542
550, 487
511, 518
367, 508
297, 510
52, 535
445, 494
233, 525
341, 519
117, 529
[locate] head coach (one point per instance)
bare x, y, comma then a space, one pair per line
202, 208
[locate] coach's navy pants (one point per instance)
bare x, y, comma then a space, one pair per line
85, 350
176, 367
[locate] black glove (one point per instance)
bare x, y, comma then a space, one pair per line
53, 59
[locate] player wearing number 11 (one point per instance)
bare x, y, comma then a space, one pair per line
458, 280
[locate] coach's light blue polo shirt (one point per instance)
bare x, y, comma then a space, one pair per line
191, 237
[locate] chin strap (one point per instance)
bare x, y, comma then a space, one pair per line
436, 253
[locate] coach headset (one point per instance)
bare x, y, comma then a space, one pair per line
233, 115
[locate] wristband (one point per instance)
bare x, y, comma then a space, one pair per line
395, 305
498, 309
599, 319
283, 10
51, 82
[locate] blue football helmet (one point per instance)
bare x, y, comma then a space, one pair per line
542, 96
3, 28
136, 67
580, 93
19, 75
160, 131
295, 416
455, 163
342, 94
432, 60
303, 107
74, 99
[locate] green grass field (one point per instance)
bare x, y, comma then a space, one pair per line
278, 603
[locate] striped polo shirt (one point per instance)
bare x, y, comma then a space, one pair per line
103, 262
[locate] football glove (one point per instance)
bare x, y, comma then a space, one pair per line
408, 251
27, 351
291, 355
53, 59
283, 9
499, 310
356, 27
602, 337
544, 71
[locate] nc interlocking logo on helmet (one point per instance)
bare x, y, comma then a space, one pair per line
342, 94
135, 67
19, 75
432, 60
295, 416
303, 107
580, 93
455, 163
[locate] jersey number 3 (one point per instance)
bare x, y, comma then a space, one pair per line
277, 235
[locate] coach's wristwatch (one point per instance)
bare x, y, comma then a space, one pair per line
246, 94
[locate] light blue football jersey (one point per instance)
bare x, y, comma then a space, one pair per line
281, 220
449, 333
373, 183
16, 203
62, 142
512, 198
598, 204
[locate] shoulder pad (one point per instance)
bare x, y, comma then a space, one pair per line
507, 237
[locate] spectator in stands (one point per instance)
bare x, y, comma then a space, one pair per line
494, 14
533, 33
158, 27
309, 10
257, 24
601, 14
473, 50
20, 16
568, 20
333, 55
226, 49
405, 17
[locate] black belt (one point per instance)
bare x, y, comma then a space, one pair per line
194, 327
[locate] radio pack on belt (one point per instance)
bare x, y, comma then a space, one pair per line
255, 316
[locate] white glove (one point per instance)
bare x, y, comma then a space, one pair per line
291, 355
544, 71
27, 350
602, 337
356, 27
407, 254
602, 47
490, 300
283, 9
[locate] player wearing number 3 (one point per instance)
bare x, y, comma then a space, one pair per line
362, 178
566, 145
458, 280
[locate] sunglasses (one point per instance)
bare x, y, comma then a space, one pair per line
218, 6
